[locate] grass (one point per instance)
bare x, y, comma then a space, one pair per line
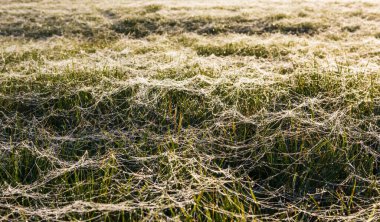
165, 112
353, 28
241, 49
296, 28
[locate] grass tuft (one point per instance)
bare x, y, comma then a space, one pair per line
241, 49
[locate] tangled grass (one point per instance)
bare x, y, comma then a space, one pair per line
158, 111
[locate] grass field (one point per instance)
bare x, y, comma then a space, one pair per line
189, 110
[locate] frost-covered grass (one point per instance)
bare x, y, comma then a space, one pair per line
209, 111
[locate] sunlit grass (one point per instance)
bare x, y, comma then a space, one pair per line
241, 111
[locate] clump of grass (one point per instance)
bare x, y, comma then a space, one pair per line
213, 30
296, 28
153, 8
22, 166
352, 28
137, 27
277, 17
186, 40
241, 49
302, 14
334, 37
189, 71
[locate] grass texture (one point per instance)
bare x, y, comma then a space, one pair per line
189, 111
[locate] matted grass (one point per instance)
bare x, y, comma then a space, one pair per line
179, 111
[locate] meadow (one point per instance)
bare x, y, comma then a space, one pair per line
189, 110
